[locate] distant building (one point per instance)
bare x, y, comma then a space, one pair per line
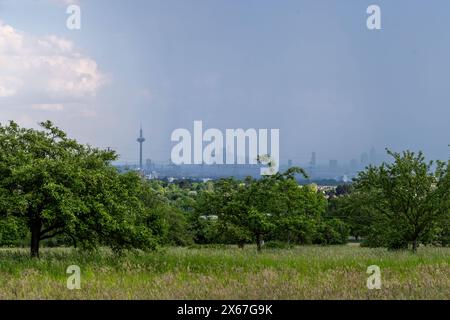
312, 162
148, 164
364, 159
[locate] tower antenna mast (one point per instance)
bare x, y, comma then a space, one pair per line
140, 140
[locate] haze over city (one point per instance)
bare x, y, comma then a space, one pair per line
312, 70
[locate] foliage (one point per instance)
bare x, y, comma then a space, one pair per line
57, 186
406, 199
354, 212
12, 231
58, 192
331, 231
274, 207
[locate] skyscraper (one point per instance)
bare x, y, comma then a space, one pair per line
148, 164
140, 140
364, 159
312, 162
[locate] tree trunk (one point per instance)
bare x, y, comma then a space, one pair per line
414, 246
74, 241
258, 242
35, 239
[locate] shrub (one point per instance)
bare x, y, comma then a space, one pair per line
332, 231
12, 232
277, 245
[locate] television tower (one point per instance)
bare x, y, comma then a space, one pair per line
140, 140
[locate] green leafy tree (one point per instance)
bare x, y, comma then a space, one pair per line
297, 211
271, 207
407, 197
216, 214
57, 186
354, 211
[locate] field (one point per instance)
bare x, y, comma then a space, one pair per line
310, 272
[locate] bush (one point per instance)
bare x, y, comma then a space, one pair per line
332, 231
12, 232
205, 230
374, 240
385, 236
277, 245
175, 226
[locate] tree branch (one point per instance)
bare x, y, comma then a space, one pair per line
52, 235
51, 228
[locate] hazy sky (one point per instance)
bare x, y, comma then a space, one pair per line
309, 68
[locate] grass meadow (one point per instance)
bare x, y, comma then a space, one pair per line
306, 272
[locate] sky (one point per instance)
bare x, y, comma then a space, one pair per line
310, 68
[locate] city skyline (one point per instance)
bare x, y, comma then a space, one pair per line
365, 158
317, 170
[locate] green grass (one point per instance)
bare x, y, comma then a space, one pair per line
308, 272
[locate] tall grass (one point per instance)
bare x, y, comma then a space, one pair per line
307, 272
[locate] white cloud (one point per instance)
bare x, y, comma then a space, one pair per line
46, 67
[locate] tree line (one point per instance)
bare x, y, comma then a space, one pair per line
56, 191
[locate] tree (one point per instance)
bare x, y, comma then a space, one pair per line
217, 214
354, 211
407, 197
254, 209
57, 186
297, 211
